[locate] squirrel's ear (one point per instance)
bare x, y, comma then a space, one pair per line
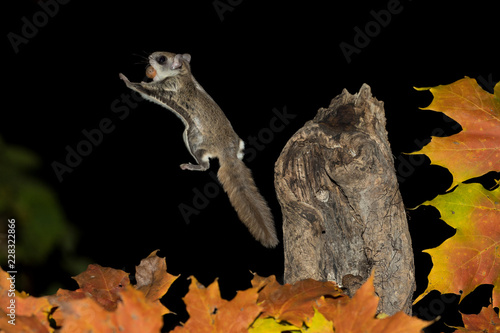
187, 57
177, 63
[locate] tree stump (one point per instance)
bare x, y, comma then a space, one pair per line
343, 215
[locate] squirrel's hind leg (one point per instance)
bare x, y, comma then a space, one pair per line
203, 163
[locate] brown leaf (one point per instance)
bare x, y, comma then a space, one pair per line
293, 303
103, 284
153, 279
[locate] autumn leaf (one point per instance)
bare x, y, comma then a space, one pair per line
153, 279
28, 311
237, 314
103, 284
472, 256
208, 312
359, 314
85, 315
201, 304
24, 324
271, 325
486, 321
61, 297
293, 303
134, 313
137, 314
29, 306
400, 323
476, 149
314, 306
105, 302
319, 324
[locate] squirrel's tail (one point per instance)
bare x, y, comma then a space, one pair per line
252, 209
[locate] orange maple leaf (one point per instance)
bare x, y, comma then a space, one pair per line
105, 302
85, 315
208, 312
30, 313
293, 303
136, 314
358, 315
133, 313
61, 297
475, 150
486, 321
237, 314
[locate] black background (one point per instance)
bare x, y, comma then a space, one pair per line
259, 56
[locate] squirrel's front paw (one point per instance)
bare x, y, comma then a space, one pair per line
187, 166
193, 167
123, 77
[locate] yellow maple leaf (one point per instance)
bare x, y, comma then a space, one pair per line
271, 325
319, 324
471, 257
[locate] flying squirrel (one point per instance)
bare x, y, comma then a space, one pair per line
208, 134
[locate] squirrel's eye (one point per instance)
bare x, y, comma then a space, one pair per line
161, 59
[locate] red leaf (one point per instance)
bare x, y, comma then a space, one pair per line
103, 284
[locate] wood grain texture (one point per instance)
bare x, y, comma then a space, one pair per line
343, 214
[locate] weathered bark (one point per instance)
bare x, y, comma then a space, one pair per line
343, 214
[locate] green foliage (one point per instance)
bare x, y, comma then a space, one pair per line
41, 227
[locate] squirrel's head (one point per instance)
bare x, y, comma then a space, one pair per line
168, 64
